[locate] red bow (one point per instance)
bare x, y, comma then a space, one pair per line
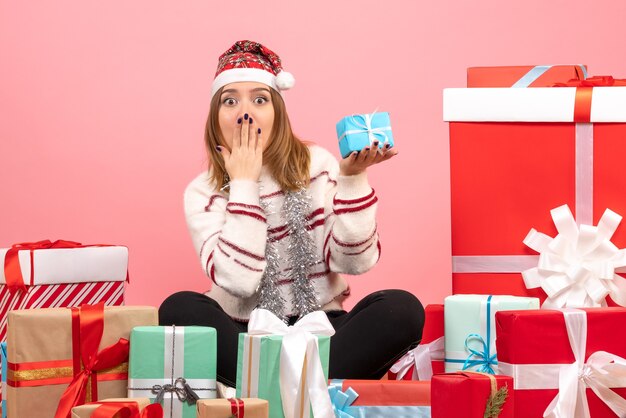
596, 81
87, 329
127, 410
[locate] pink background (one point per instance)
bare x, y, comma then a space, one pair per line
102, 108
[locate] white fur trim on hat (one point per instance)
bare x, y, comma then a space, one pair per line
285, 80
235, 75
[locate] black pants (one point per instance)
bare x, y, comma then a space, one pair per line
368, 340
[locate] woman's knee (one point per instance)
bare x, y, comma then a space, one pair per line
178, 307
407, 310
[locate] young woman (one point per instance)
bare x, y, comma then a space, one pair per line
276, 221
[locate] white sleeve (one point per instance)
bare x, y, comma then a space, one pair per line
351, 243
229, 233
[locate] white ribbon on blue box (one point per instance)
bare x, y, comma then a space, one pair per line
470, 330
358, 131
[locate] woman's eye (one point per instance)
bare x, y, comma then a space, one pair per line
229, 101
260, 100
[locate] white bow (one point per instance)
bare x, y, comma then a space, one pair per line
422, 356
601, 372
302, 381
577, 268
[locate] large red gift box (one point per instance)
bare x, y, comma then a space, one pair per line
535, 345
466, 394
431, 346
524, 75
517, 153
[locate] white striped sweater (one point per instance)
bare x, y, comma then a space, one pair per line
230, 231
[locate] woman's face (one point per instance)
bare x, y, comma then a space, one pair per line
246, 97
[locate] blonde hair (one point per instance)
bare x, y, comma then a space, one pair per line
286, 156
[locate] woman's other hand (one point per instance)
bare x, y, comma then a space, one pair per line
357, 162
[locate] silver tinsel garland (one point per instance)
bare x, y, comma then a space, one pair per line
301, 252
301, 256
270, 297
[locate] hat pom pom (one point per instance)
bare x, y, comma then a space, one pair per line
285, 80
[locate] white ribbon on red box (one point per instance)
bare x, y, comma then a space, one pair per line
600, 372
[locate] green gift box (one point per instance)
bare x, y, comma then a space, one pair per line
171, 364
470, 329
258, 368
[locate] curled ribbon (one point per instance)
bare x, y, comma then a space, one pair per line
112, 409
87, 330
422, 357
341, 400
482, 358
364, 122
577, 267
601, 372
301, 373
183, 391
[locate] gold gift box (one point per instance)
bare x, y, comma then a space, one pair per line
45, 335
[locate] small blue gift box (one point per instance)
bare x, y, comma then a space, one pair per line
3, 355
358, 131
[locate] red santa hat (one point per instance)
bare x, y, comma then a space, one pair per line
251, 61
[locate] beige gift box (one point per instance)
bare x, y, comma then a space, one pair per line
222, 408
44, 336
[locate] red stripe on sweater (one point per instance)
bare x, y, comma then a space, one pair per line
360, 252
212, 200
358, 208
312, 179
353, 201
206, 268
241, 250
246, 213
206, 240
219, 247
309, 228
354, 244
247, 266
379, 250
243, 205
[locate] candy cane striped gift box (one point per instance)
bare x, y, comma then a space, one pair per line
63, 277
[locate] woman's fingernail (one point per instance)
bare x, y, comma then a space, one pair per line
245, 116
375, 143
218, 148
239, 120
259, 130
367, 148
250, 120
386, 145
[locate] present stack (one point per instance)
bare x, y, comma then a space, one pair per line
536, 246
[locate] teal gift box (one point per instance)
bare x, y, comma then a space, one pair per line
258, 368
171, 364
3, 356
470, 329
358, 131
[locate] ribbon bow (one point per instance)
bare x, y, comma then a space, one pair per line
112, 409
601, 372
483, 358
87, 330
341, 400
422, 357
364, 122
302, 378
12, 268
577, 267
596, 81
181, 388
